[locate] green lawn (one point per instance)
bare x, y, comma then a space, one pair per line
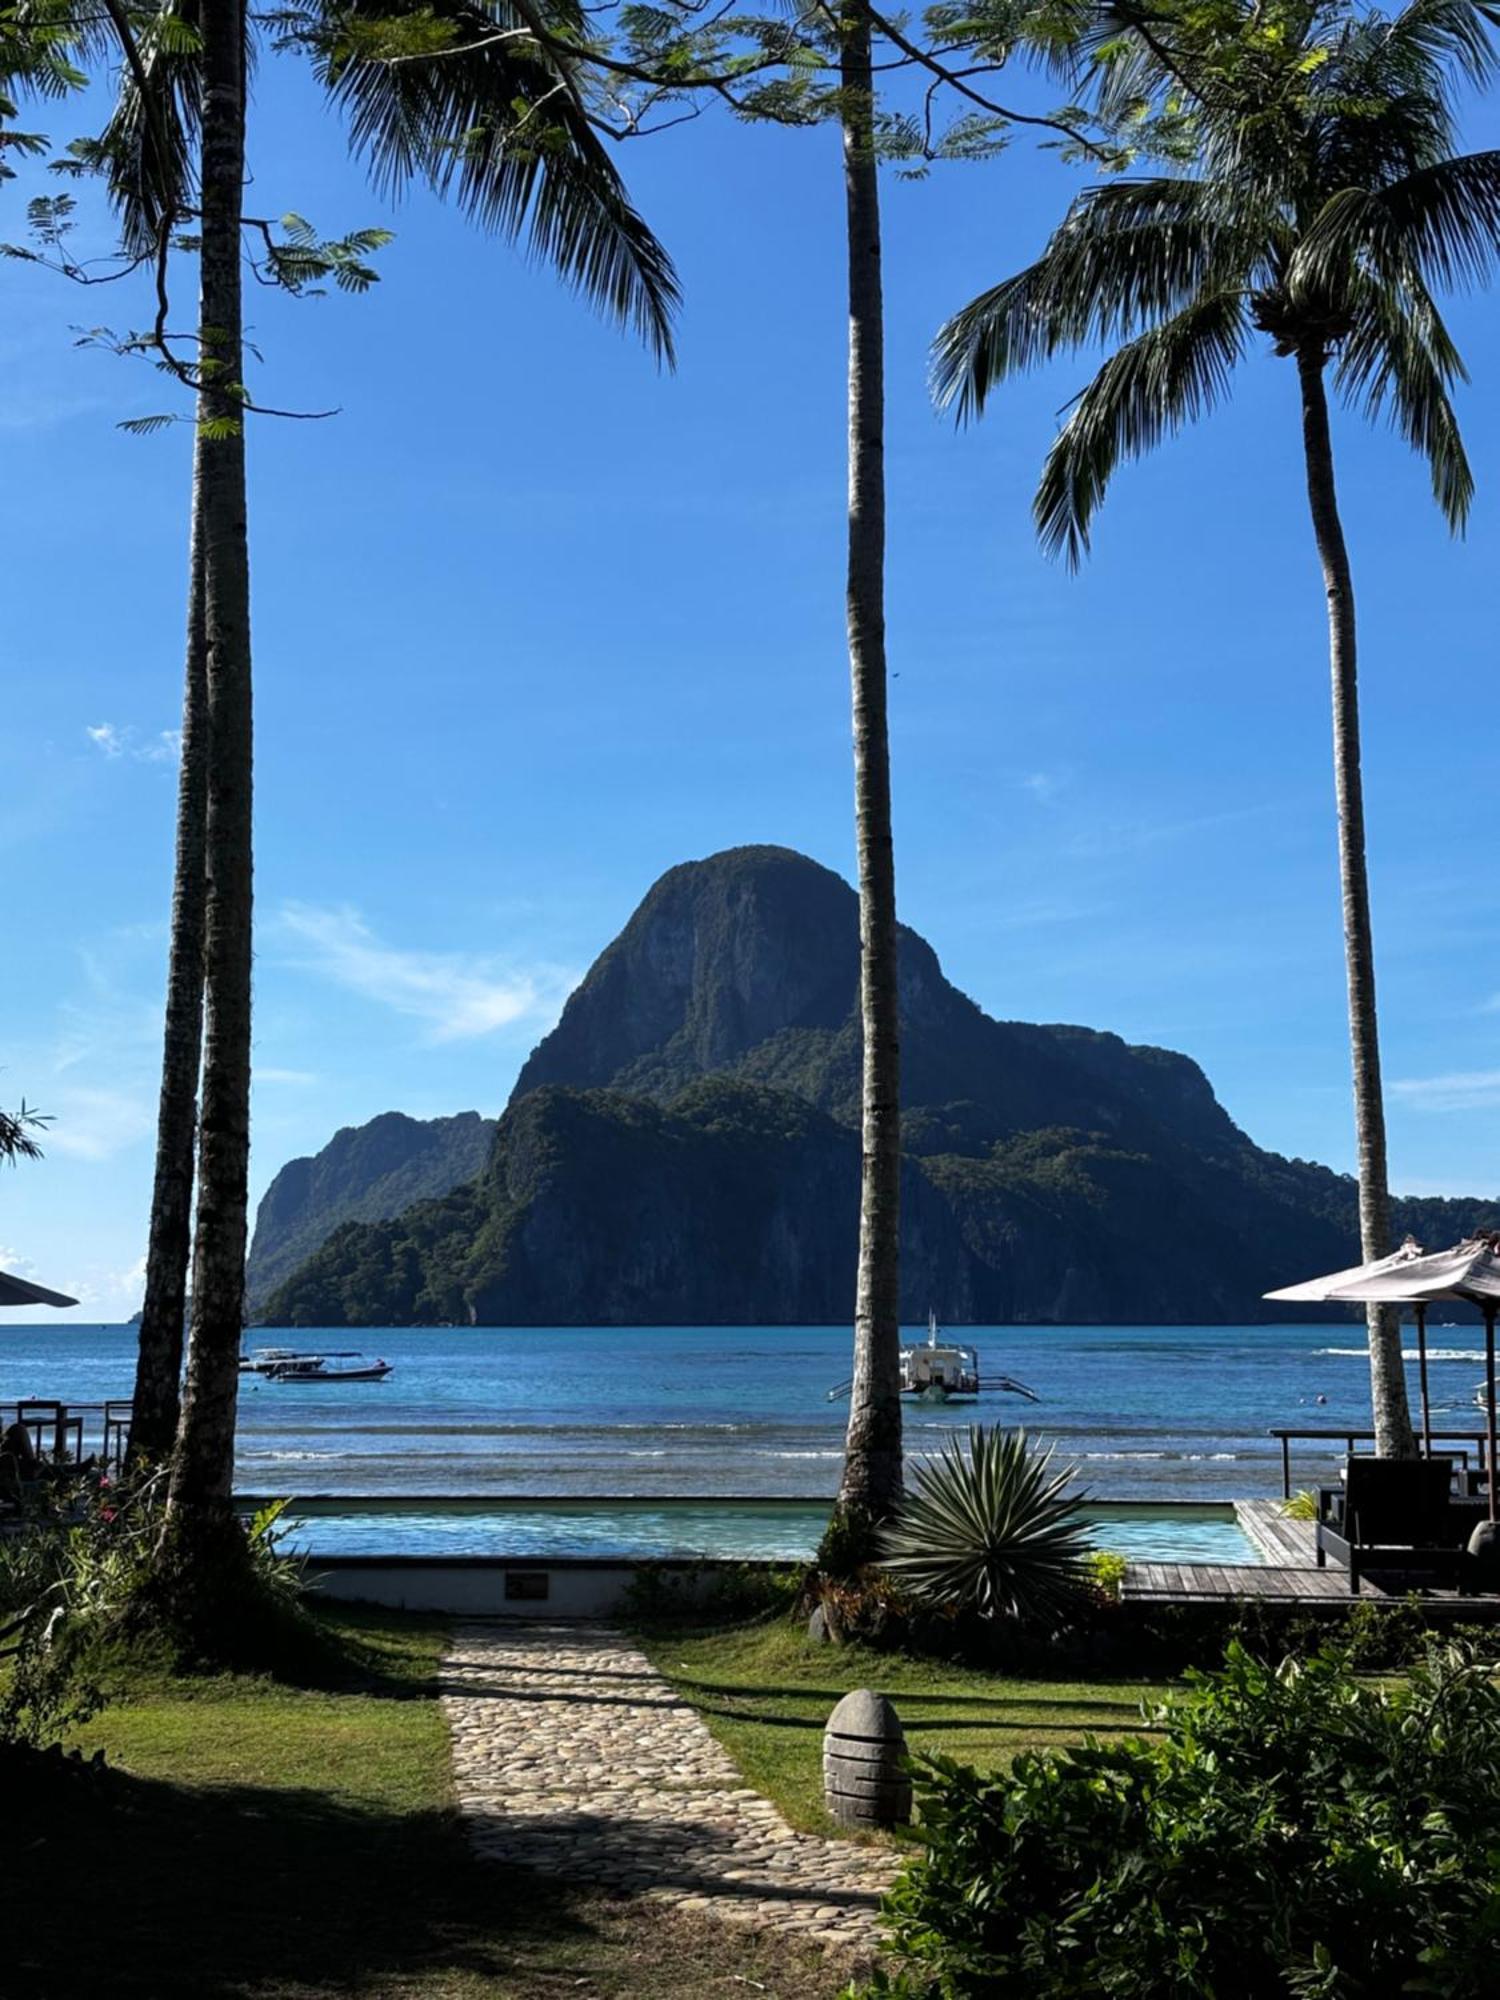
260, 1842
765, 1690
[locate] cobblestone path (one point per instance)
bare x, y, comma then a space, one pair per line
572, 1755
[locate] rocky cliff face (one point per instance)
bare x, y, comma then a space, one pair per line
364, 1174
747, 965
732, 1205
683, 1148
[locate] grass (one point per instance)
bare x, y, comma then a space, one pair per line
255, 1841
765, 1690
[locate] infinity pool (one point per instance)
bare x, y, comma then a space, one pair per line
750, 1530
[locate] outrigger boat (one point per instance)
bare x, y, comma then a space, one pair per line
938, 1370
314, 1368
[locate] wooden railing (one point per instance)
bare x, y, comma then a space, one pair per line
1463, 1439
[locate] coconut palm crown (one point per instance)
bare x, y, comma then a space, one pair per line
1314, 198
1323, 208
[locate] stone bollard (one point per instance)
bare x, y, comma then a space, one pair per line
1484, 1549
864, 1784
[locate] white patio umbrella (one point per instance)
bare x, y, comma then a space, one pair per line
1335, 1288
21, 1292
1470, 1271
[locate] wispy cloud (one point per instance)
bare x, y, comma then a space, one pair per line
95, 1124
1044, 786
1460, 1090
1112, 839
458, 995
115, 741
301, 1078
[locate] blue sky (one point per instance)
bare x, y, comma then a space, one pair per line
534, 622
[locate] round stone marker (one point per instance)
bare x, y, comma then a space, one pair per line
864, 1745
1484, 1547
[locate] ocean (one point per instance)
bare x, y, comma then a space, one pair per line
1140, 1413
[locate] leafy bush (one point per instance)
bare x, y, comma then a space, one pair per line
1295, 1831
1302, 1506
658, 1595
1107, 1567
990, 1529
71, 1576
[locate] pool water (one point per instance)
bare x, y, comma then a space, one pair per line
765, 1530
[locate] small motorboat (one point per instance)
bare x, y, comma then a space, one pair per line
315, 1368
264, 1359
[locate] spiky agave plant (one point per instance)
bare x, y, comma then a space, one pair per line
990, 1528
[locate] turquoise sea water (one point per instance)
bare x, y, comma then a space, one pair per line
1142, 1413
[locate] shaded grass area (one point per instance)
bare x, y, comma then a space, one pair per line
766, 1690
255, 1839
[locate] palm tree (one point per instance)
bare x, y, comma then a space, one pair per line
1321, 207
870, 1488
158, 1370
456, 122
201, 1531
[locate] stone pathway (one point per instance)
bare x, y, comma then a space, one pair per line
572, 1755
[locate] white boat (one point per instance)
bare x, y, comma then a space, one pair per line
938, 1370
264, 1359
315, 1368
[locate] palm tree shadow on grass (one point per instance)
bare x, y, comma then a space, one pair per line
155, 1891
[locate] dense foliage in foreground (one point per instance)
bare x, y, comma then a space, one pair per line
1294, 1830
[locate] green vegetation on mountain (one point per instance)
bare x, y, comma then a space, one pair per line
684, 1147
364, 1174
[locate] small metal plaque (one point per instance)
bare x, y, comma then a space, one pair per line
531, 1586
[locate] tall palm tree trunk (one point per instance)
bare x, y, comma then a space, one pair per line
872, 1462
158, 1368
200, 1524
1394, 1437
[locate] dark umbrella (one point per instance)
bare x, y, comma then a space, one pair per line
20, 1292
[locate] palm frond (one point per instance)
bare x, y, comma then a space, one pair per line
1445, 220
147, 148
1128, 253
1401, 358
1169, 376
1435, 36
498, 121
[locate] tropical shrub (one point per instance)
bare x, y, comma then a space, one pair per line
70, 1575
1107, 1567
1295, 1830
990, 1528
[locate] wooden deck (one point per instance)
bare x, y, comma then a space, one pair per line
1290, 1573
1290, 1570
1292, 1544
1202, 1583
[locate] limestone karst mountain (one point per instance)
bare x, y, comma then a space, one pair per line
683, 1148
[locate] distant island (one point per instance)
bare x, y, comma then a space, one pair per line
683, 1148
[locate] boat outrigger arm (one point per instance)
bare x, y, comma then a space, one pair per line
995, 1385
1012, 1387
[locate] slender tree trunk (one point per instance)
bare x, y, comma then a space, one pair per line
158, 1368
200, 1524
872, 1463
1394, 1437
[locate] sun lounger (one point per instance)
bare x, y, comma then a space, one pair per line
1395, 1515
